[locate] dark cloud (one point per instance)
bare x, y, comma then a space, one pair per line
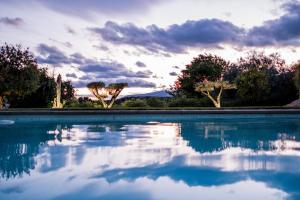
173, 74
71, 75
93, 69
140, 64
17, 22
51, 55
282, 31
205, 32
113, 69
79, 59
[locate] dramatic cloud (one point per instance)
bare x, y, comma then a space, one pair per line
52, 55
17, 22
113, 69
93, 69
140, 64
282, 31
205, 32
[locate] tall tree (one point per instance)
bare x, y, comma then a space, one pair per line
43, 96
253, 86
297, 77
111, 92
205, 66
19, 73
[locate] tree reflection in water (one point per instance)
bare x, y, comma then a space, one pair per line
199, 153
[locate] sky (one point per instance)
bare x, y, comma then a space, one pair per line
145, 43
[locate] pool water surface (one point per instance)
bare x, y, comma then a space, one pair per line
225, 157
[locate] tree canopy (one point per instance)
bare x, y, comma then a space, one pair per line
260, 79
297, 76
23, 83
207, 88
19, 73
205, 66
101, 92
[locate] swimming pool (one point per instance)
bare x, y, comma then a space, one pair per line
150, 157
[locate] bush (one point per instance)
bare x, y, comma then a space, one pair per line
155, 102
190, 102
82, 103
135, 103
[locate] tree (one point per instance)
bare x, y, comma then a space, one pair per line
205, 66
67, 91
101, 92
253, 86
217, 87
43, 96
19, 73
297, 77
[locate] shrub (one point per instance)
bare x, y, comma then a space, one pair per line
135, 103
155, 102
189, 102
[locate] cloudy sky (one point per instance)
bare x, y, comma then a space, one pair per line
145, 42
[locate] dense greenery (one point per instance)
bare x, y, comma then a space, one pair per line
19, 73
255, 80
205, 66
23, 83
259, 79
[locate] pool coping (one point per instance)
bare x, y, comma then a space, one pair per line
138, 112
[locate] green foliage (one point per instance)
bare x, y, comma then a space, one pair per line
19, 73
67, 91
155, 102
43, 96
207, 88
205, 66
297, 76
135, 103
96, 85
190, 102
253, 86
263, 79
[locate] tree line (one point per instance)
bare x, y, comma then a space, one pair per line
209, 80
255, 80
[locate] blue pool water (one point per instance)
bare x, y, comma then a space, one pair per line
150, 157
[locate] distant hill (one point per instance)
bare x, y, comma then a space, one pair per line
161, 93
